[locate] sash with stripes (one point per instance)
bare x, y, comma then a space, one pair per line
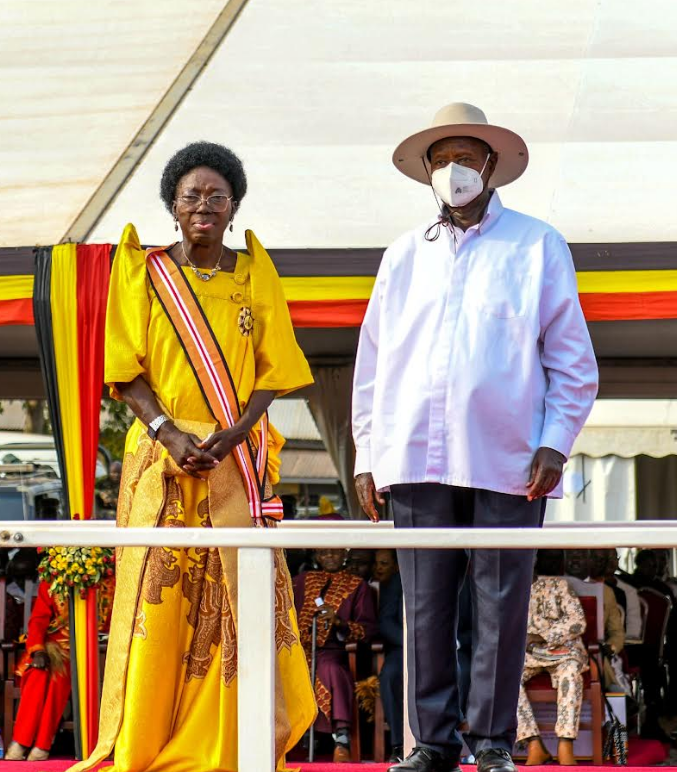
214, 378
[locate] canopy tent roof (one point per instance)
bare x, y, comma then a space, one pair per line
315, 102
79, 80
630, 428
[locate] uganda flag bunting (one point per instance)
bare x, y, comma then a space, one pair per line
69, 307
16, 286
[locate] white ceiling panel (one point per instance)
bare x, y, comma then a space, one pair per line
77, 80
315, 96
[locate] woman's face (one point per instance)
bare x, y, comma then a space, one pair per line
385, 565
199, 221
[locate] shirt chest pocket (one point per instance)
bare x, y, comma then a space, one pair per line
501, 294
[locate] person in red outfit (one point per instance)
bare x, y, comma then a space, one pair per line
44, 673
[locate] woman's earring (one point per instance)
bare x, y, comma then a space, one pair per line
176, 224
231, 226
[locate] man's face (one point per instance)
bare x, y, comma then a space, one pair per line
331, 560
577, 563
465, 151
648, 566
612, 563
599, 560
385, 565
360, 563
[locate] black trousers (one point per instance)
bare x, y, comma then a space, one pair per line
392, 696
500, 585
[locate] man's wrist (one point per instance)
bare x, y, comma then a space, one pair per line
557, 452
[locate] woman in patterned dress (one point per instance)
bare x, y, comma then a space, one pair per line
554, 645
170, 694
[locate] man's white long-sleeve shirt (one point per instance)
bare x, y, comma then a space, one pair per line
472, 356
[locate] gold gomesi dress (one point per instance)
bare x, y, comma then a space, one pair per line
169, 700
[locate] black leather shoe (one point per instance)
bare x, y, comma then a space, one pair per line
396, 754
494, 760
425, 760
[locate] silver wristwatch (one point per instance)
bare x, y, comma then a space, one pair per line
155, 424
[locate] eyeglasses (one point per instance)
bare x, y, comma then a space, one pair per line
214, 203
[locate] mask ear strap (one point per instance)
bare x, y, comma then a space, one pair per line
444, 218
486, 162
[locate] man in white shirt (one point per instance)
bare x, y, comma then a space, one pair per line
474, 375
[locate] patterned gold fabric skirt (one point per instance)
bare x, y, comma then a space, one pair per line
170, 690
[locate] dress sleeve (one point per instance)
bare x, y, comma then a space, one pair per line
128, 313
280, 364
571, 624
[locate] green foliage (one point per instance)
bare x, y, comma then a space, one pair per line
116, 418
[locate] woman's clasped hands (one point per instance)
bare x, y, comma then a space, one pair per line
195, 456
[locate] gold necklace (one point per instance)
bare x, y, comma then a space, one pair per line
200, 274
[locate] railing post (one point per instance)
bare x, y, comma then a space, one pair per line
256, 660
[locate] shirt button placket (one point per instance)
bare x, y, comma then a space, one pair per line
437, 430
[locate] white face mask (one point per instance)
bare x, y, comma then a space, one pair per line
458, 185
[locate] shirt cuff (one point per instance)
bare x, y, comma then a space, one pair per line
558, 439
362, 460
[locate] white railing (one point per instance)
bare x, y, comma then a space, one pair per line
256, 630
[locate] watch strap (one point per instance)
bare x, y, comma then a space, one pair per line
155, 424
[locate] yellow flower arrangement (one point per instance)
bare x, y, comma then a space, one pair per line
82, 567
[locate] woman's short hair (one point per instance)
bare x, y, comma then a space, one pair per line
549, 562
217, 157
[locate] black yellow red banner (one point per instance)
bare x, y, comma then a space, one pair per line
69, 292
340, 301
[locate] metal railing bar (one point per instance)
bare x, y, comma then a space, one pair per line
74, 534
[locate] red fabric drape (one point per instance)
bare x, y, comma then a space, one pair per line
92, 291
16, 311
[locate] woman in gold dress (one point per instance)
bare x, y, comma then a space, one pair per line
170, 694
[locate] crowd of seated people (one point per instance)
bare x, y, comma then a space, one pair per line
589, 566
659, 679
371, 609
354, 597
557, 622
554, 645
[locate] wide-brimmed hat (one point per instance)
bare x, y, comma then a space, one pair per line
462, 120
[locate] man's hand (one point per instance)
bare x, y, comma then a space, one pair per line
40, 660
546, 472
367, 494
